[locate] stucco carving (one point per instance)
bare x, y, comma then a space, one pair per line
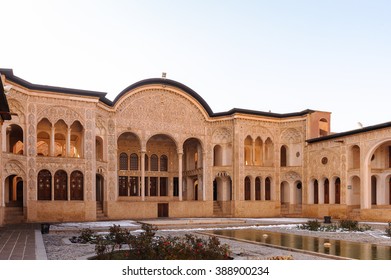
56, 113
291, 135
222, 135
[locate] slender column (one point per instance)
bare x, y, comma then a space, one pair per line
252, 191
365, 187
263, 154
332, 191
321, 191
204, 176
180, 183
52, 144
3, 193
68, 142
142, 175
253, 154
263, 189
292, 193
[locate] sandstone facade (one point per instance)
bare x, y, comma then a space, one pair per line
158, 150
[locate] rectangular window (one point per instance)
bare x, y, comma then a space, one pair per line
134, 186
176, 186
163, 186
153, 187
123, 186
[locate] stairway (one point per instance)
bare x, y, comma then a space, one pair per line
14, 215
354, 214
100, 215
217, 209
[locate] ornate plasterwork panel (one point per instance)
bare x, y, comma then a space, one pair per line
222, 135
160, 110
17, 108
291, 176
291, 135
55, 113
324, 162
14, 168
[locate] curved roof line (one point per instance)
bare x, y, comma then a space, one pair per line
9, 73
164, 82
167, 82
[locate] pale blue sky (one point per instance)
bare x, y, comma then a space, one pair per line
283, 56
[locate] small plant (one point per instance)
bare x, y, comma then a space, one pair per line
281, 258
86, 235
388, 229
312, 225
147, 246
349, 225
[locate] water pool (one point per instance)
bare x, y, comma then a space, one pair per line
347, 249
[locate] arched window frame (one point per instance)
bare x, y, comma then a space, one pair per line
164, 163
133, 161
44, 185
77, 185
60, 185
123, 161
247, 188
154, 163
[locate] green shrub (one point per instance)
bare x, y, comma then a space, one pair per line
388, 229
147, 246
312, 225
86, 235
349, 225
352, 225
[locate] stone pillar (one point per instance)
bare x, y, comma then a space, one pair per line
180, 183
253, 153
52, 142
365, 187
321, 191
68, 142
204, 174
142, 168
332, 191
252, 190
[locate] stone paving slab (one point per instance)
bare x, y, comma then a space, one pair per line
21, 242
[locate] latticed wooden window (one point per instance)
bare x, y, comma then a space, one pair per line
44, 185
133, 186
247, 188
146, 163
77, 185
154, 163
267, 189
337, 191
153, 187
163, 186
163, 163
123, 186
258, 188
123, 161
133, 162
316, 192
60, 185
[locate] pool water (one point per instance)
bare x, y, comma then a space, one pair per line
347, 249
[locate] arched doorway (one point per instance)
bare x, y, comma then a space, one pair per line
99, 188
14, 186
15, 139
196, 190
377, 163
14, 197
299, 193
222, 194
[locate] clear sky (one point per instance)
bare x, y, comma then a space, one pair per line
282, 56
